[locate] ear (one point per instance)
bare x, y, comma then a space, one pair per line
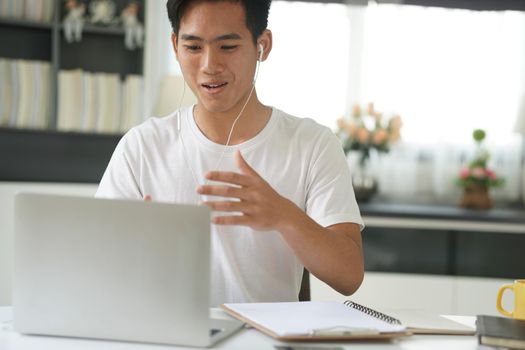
265, 39
174, 44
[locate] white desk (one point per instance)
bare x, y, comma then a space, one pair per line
246, 339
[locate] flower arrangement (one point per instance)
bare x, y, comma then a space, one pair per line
477, 173
367, 131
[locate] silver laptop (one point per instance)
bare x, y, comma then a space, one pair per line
114, 269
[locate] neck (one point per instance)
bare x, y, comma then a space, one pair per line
216, 126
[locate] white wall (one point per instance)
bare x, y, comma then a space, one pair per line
446, 295
8, 190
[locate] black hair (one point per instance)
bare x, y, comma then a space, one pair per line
256, 13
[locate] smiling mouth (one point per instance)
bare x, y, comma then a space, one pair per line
214, 86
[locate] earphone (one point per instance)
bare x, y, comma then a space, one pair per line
261, 52
179, 121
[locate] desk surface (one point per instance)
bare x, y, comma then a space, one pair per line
245, 339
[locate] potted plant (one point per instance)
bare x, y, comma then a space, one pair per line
367, 132
477, 178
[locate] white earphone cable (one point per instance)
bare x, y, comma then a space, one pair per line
179, 121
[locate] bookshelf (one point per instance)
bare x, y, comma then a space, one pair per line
49, 154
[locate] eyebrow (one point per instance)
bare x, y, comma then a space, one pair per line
230, 36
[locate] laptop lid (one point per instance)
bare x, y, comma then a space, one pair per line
112, 269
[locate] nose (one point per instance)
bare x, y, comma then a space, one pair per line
212, 62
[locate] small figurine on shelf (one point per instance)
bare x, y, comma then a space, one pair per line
102, 12
74, 20
134, 30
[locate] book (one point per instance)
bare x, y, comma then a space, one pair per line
69, 100
44, 115
5, 91
132, 107
89, 103
26, 87
13, 69
501, 331
36, 94
317, 320
425, 322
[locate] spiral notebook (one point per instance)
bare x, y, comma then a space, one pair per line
317, 320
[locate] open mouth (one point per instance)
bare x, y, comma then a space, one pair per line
213, 87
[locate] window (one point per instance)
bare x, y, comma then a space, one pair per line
306, 73
453, 69
445, 71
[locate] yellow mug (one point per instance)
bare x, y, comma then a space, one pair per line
518, 287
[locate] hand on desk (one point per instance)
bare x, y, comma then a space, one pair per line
262, 208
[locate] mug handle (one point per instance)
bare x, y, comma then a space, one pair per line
500, 309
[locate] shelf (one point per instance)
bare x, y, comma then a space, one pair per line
17, 22
53, 156
94, 29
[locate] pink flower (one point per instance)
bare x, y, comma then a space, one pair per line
478, 172
464, 173
395, 123
380, 136
490, 174
362, 135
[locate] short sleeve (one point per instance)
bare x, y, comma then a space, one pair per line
330, 196
121, 178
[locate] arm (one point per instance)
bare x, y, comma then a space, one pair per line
333, 254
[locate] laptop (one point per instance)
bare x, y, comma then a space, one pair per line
114, 269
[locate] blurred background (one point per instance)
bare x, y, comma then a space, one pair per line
404, 84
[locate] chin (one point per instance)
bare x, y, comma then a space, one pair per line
216, 106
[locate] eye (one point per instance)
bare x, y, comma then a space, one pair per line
229, 47
192, 47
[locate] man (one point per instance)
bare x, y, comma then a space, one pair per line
279, 185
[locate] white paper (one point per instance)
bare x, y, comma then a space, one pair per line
301, 318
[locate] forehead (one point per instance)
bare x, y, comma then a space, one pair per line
211, 18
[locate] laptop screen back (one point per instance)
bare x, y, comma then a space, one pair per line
111, 269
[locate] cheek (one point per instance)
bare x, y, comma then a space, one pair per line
189, 70
188, 65
243, 69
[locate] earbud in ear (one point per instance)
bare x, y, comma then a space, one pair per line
261, 51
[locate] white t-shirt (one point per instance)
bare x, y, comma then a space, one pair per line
300, 159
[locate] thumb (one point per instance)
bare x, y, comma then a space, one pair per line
243, 166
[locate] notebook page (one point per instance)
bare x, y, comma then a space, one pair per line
301, 318
421, 319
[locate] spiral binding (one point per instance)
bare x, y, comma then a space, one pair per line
371, 312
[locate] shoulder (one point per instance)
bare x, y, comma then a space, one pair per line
157, 126
304, 129
153, 131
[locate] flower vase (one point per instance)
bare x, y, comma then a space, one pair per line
476, 197
363, 181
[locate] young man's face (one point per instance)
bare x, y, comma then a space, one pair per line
217, 54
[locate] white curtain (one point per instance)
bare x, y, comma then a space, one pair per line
306, 72
424, 172
446, 72
158, 52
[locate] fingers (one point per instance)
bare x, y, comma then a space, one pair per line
221, 191
244, 167
227, 206
231, 220
147, 198
228, 177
